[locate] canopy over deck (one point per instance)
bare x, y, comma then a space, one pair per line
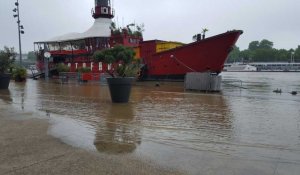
100, 28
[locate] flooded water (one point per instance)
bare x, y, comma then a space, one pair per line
174, 128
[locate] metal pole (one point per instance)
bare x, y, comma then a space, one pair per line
46, 63
20, 45
293, 57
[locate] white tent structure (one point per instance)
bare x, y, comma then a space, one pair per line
100, 28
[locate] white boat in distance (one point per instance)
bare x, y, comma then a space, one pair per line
239, 67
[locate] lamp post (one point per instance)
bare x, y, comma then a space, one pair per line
292, 54
20, 27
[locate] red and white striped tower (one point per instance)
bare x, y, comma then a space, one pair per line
103, 14
103, 9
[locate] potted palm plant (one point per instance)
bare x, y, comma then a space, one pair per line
7, 57
123, 71
19, 74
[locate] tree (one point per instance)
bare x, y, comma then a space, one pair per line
139, 30
297, 54
234, 55
31, 56
281, 55
246, 55
264, 55
263, 51
266, 44
118, 54
204, 32
7, 58
253, 45
260, 51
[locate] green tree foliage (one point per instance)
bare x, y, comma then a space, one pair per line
263, 51
83, 70
19, 73
281, 55
61, 67
297, 54
7, 58
31, 56
234, 55
263, 55
246, 55
118, 54
253, 45
265, 44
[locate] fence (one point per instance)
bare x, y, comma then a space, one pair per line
81, 77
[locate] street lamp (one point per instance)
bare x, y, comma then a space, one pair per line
292, 54
20, 27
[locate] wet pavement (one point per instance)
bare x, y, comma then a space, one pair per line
248, 130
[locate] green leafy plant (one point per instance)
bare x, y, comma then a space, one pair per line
139, 30
131, 29
204, 32
84, 70
7, 58
61, 67
129, 70
121, 56
19, 73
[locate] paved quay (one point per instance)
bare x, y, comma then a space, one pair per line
25, 148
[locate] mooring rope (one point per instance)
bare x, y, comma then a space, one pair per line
172, 56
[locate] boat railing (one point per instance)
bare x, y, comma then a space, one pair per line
80, 77
66, 76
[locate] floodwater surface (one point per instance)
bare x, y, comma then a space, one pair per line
188, 131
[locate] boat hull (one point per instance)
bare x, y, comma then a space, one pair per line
207, 55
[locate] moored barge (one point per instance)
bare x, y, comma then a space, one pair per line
160, 59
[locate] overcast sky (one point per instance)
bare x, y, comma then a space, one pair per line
175, 20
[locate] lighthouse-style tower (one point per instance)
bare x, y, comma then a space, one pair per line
103, 14
103, 9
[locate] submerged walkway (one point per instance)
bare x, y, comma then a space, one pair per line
25, 148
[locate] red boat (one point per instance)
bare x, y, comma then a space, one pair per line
160, 59
206, 55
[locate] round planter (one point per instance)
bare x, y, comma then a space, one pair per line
120, 89
19, 79
4, 81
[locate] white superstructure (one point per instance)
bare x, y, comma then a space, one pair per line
100, 28
240, 68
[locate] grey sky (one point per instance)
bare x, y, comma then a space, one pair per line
175, 20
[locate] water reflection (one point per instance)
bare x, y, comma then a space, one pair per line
117, 133
191, 120
5, 95
18, 94
170, 125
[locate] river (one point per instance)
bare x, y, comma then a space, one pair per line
246, 122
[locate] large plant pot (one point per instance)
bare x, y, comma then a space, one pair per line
4, 81
120, 89
19, 79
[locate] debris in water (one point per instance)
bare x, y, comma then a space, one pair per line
294, 92
277, 91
